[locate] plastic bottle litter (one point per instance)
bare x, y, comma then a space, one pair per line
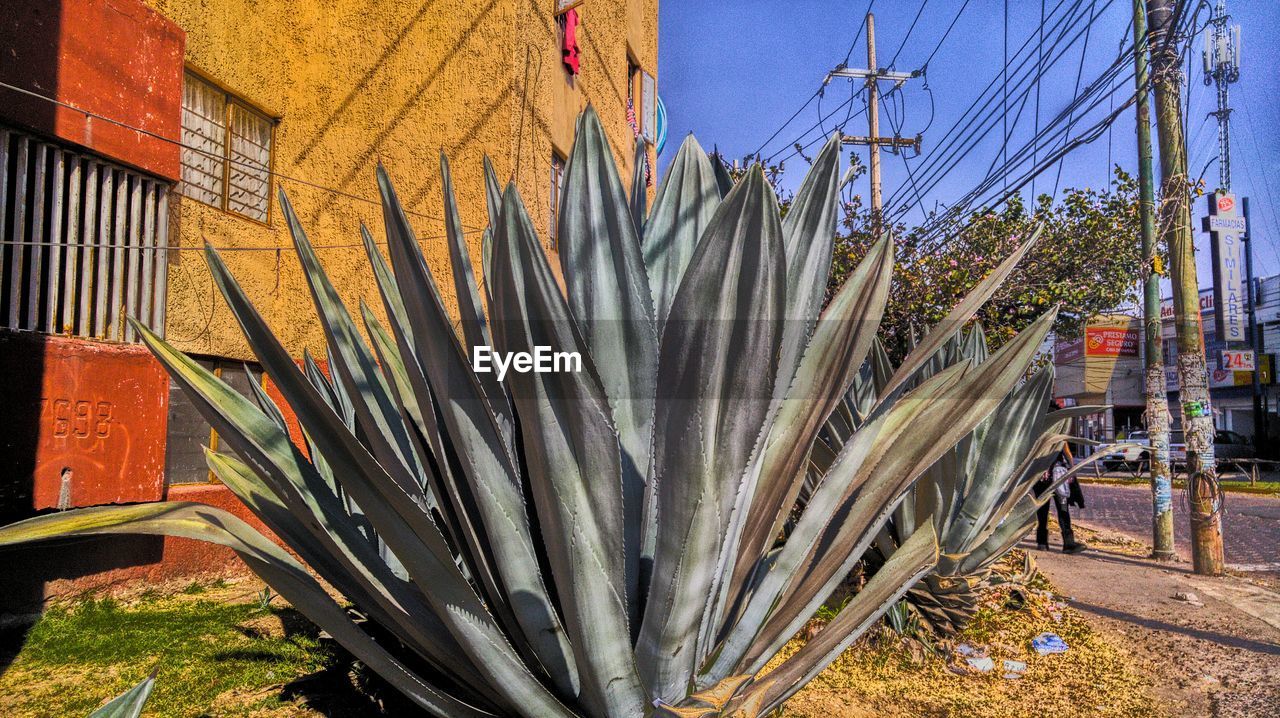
1047, 643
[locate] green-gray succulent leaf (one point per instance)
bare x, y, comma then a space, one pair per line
573, 456
608, 293
130, 703
639, 199
523, 604
682, 209
716, 371
840, 343
907, 566
945, 330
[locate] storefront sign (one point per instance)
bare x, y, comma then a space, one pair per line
1240, 360
1068, 351
1111, 341
1206, 304
1225, 227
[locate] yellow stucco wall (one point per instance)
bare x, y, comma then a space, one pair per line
358, 81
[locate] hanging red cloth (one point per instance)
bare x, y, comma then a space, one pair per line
569, 50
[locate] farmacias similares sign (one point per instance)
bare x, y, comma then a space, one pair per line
1226, 227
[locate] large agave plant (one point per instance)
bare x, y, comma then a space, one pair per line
599, 542
978, 495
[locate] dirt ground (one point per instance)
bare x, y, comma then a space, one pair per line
1212, 645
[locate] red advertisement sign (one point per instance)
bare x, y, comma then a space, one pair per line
1111, 342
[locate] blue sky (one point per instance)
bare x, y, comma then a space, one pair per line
733, 72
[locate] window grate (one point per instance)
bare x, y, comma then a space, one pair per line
226, 155
84, 242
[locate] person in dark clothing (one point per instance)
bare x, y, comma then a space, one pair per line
1064, 495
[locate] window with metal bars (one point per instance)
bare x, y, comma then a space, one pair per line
226, 150
83, 242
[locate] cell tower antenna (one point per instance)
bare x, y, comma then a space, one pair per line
1222, 68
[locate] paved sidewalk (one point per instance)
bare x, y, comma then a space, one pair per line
1250, 523
1217, 654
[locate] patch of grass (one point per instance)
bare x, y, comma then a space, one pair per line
233, 655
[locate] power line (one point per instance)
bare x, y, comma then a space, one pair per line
931, 230
945, 35
858, 35
964, 127
790, 119
206, 153
905, 38
977, 120
1076, 90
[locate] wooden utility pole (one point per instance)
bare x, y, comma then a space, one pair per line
1156, 396
873, 75
873, 122
1175, 220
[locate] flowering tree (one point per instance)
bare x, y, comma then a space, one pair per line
1087, 259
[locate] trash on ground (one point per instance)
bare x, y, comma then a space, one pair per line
1047, 643
983, 664
965, 649
1013, 670
1188, 597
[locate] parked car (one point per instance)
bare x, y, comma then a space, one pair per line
1227, 446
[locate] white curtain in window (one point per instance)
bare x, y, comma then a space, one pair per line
203, 140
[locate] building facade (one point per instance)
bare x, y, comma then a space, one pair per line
1106, 367
132, 133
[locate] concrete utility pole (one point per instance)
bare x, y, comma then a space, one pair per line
873, 75
1175, 220
1157, 397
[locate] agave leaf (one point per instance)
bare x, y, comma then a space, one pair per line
482, 456
853, 491
399, 519
1006, 439
335, 547
958, 411
130, 703
475, 327
842, 339
265, 402
717, 366
683, 207
492, 194
946, 329
638, 201
386, 282
724, 182
874, 470
572, 452
354, 368
1019, 520
975, 343
608, 293
907, 566
280, 570
806, 232
493, 201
